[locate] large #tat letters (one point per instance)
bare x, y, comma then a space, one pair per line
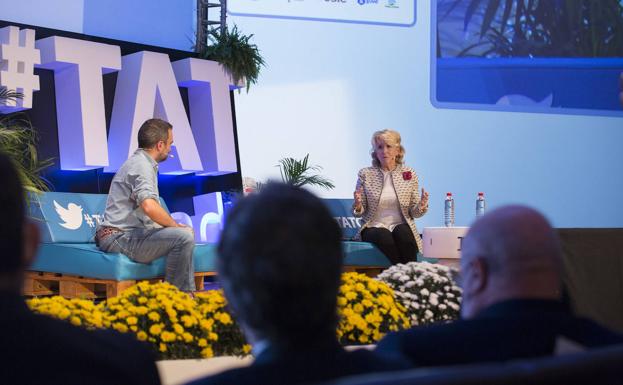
147, 86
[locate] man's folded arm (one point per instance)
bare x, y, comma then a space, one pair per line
157, 213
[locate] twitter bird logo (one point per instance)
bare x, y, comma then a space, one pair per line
71, 216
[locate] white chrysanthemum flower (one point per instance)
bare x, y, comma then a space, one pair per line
427, 291
434, 299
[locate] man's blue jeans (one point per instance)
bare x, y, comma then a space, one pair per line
176, 244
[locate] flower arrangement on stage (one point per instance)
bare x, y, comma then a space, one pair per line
165, 317
174, 324
427, 291
178, 326
80, 312
367, 309
230, 342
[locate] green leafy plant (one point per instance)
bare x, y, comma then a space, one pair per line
297, 173
550, 28
236, 53
18, 140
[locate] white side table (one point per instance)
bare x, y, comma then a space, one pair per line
444, 244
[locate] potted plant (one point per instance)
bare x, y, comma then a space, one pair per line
427, 291
298, 173
368, 310
18, 140
236, 53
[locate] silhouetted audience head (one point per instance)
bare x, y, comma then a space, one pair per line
510, 253
18, 237
279, 261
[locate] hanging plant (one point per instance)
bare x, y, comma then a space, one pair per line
236, 53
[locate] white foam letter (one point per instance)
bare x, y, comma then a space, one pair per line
210, 112
78, 66
146, 88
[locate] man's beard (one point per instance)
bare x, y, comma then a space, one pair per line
163, 158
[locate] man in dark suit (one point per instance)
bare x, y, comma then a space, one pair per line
279, 261
37, 349
512, 304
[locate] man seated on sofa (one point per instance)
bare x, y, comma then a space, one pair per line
38, 349
135, 223
279, 260
512, 306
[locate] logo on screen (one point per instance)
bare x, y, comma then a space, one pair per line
391, 4
366, 2
335, 1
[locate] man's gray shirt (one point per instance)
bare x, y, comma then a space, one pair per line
135, 181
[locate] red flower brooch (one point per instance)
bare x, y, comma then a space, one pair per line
407, 175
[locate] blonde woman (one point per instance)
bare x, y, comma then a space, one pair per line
387, 198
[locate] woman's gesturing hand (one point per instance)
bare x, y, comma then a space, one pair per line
424, 200
358, 194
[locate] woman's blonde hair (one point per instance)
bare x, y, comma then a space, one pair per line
390, 137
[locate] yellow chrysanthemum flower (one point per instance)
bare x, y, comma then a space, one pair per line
155, 329
207, 352
120, 327
166, 336
188, 337
178, 328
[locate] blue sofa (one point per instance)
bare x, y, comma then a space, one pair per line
68, 252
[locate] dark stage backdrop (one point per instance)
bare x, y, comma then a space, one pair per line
593, 267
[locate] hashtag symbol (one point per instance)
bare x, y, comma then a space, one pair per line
89, 220
98, 218
18, 57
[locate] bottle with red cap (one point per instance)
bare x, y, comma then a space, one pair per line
480, 205
448, 211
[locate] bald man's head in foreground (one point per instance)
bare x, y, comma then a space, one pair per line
510, 253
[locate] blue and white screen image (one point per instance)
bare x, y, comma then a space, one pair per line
540, 57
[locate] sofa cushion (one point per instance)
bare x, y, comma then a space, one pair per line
69, 217
87, 260
363, 254
341, 210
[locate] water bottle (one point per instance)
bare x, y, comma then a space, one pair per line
448, 211
480, 205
